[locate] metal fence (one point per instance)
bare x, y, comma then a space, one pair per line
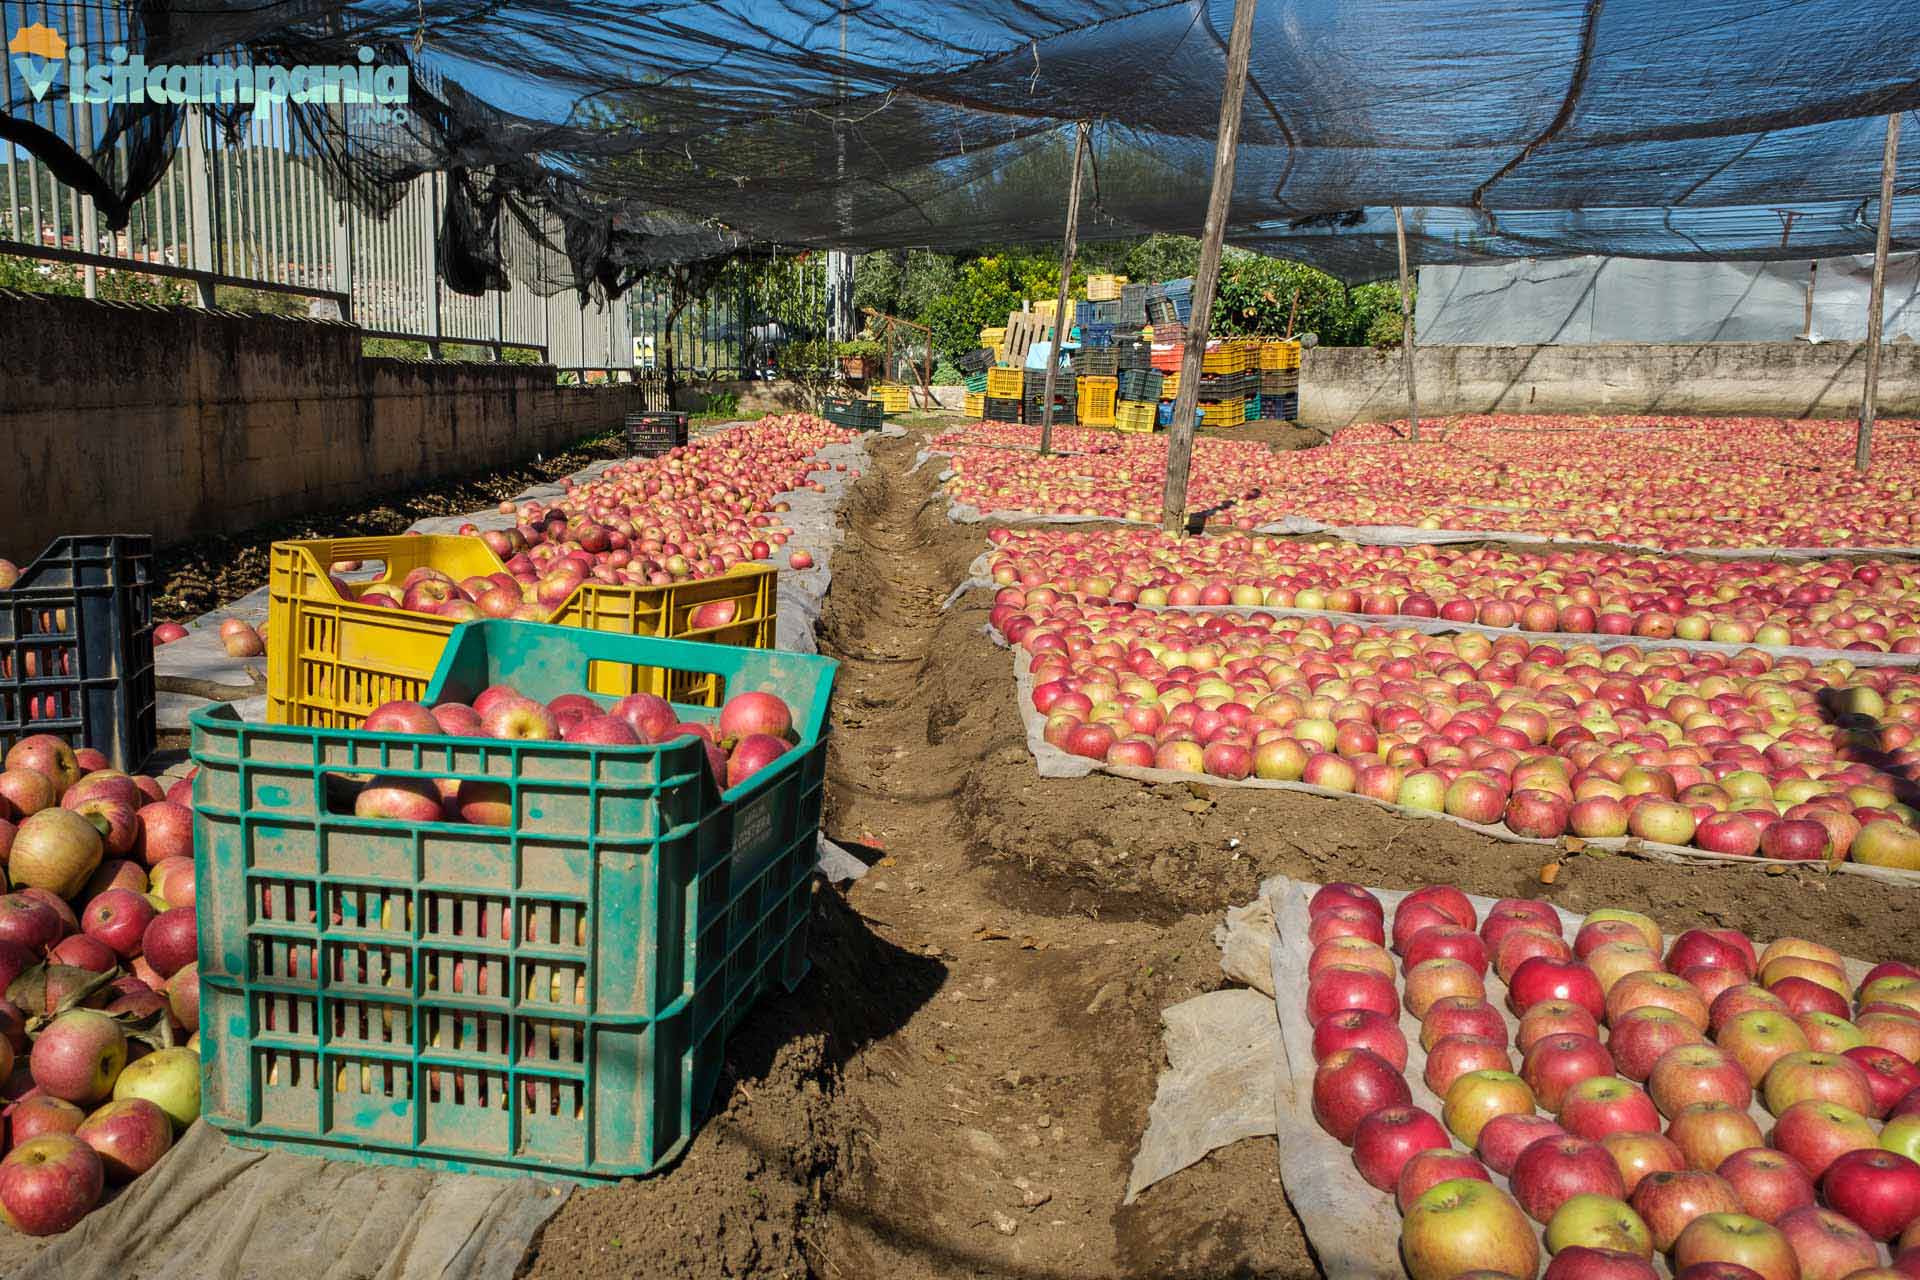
254, 212
738, 327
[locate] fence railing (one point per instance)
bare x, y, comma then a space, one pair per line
255, 212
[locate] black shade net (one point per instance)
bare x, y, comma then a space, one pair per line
591, 144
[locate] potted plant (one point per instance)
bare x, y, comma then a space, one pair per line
859, 358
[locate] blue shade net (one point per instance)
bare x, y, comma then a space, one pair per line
627, 137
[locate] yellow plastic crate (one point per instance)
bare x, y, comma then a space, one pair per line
976, 404
1279, 354
1006, 384
1043, 309
993, 336
1223, 413
1104, 288
1096, 400
1169, 386
893, 397
1136, 415
331, 660
1228, 357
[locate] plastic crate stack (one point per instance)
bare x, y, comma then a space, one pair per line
1133, 306
1280, 379
976, 383
1097, 398
1142, 385
1105, 288
76, 647
551, 995
975, 405
1066, 397
1005, 384
1169, 301
994, 340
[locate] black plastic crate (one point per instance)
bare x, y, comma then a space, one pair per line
1133, 353
979, 360
1095, 362
654, 432
76, 647
1034, 382
1141, 384
1285, 408
1132, 307
1066, 413
1002, 409
854, 413
1228, 386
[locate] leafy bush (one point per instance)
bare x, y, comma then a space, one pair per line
1386, 330
945, 375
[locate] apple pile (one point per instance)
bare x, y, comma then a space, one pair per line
1664, 482
751, 732
99, 966
1015, 435
1870, 605
1647, 1140
1744, 754
1125, 481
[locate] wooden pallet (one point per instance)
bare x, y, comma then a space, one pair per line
1023, 330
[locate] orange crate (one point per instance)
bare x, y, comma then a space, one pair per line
331, 660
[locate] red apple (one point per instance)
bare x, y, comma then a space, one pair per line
1345, 894
118, 918
1350, 987
1769, 1184
1427, 1169
1540, 979
1827, 1245
1360, 1029
1890, 1077
1642, 1036
1669, 1200
1602, 1105
1387, 1138
1552, 1170
1353, 1084
1557, 1063
1460, 1015
129, 1136
1552, 1018
49, 1183
1817, 1133
1708, 1132
1737, 1239
1454, 1056
1878, 1190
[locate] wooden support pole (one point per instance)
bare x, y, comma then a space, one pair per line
1406, 325
1206, 277
1876, 298
1060, 326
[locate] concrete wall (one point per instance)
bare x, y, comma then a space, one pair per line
176, 422
1343, 385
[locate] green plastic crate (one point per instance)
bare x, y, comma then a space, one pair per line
549, 997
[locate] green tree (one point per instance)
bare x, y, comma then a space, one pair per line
1161, 257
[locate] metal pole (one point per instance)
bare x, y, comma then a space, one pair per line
1863, 442
1406, 325
1813, 276
1180, 436
1060, 326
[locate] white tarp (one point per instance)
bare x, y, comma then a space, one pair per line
1594, 299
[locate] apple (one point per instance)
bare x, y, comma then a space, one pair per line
1769, 1184
1517, 946
1602, 1105
1759, 1038
1889, 1077
1665, 990
49, 1183
1824, 1077
1817, 1133
1504, 1137
1478, 1096
1894, 1031
521, 720
1427, 1169
168, 1078
1343, 987
1878, 1191
1448, 899
1702, 946
1708, 1132
1580, 1262
118, 919
171, 941
1803, 996
1617, 960
1345, 922
1741, 999
1353, 951
1827, 1245
1738, 1239
1387, 1138
1360, 1029
1640, 1037
1828, 1034
412, 800
1446, 942
1351, 1085
1649, 931
40, 1113
1551, 1018
79, 1056
1901, 1135
1598, 1221
1552, 1170
1464, 1225
129, 1136
1459, 1015
1669, 1200
1411, 917
1347, 894
1539, 979
1555, 1064
1433, 980
83, 952
1594, 934
1454, 1056
1641, 1152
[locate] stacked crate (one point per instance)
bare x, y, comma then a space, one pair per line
1066, 397
1105, 288
1141, 385
976, 405
1135, 415
1280, 379
1096, 362
1097, 397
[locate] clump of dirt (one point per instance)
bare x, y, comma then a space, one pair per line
208, 572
